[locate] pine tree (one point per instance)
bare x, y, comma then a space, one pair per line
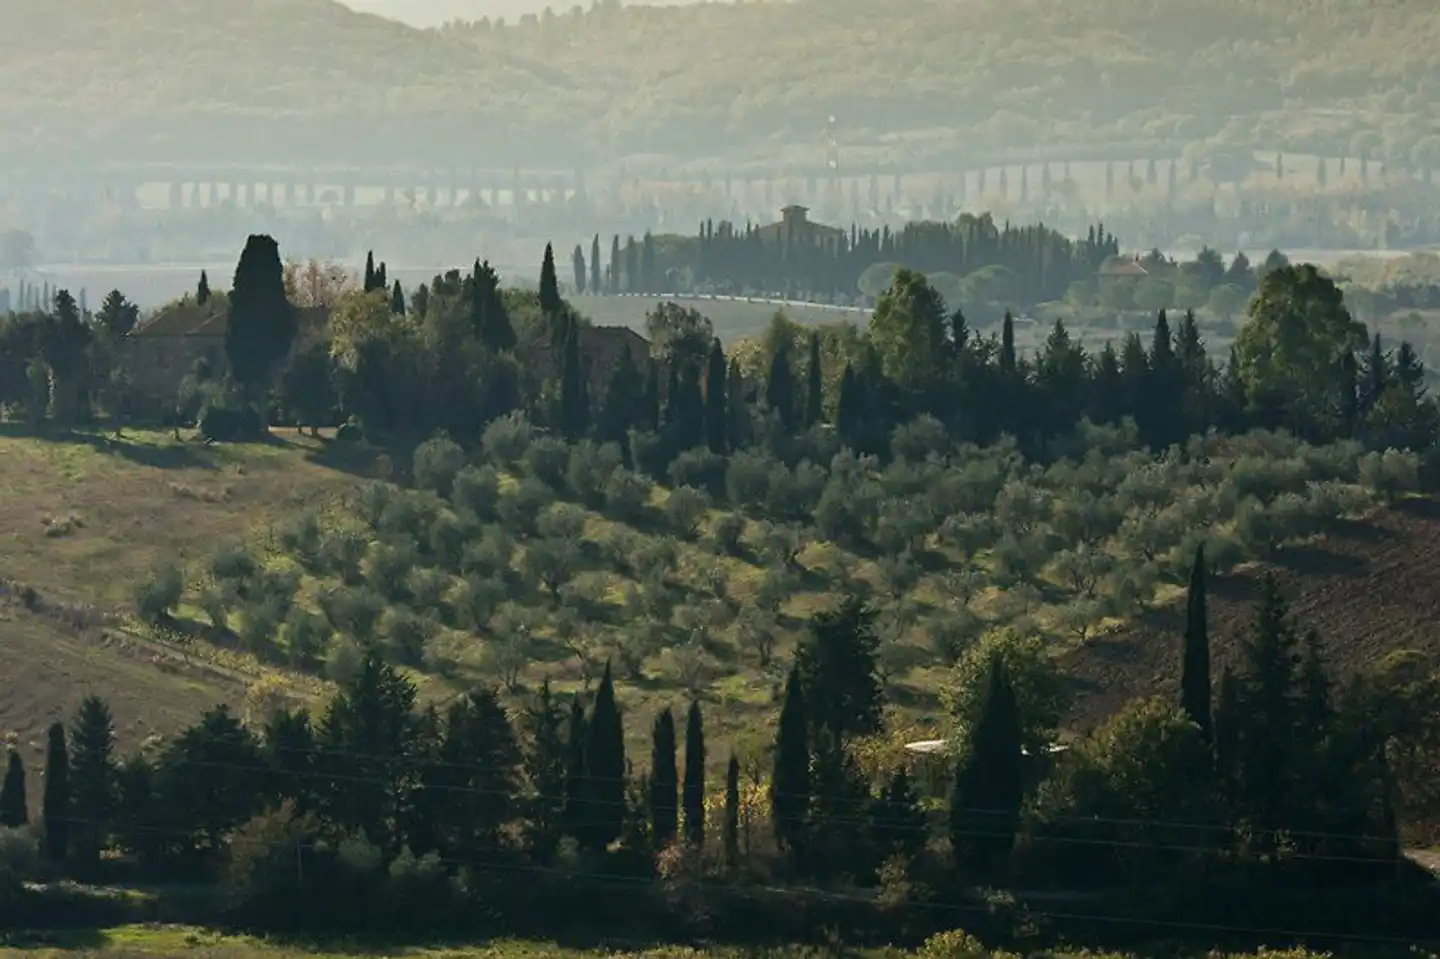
550, 301
93, 771
397, 300
575, 770
13, 810
596, 287
790, 775
717, 419
202, 291
55, 803
1195, 668
814, 385
837, 660
604, 788
694, 796
732, 814
664, 782
989, 784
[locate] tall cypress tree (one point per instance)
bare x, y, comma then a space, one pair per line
575, 770
989, 784
261, 324
549, 285
814, 385
397, 300
13, 810
694, 798
664, 781
1195, 668
577, 260
615, 264
780, 385
596, 287
574, 398
1007, 345
650, 401
717, 419
604, 813
790, 775
202, 292
622, 399
737, 430
382, 280
55, 803
731, 828
369, 283
488, 315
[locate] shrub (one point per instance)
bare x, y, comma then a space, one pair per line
158, 596
747, 479
477, 491
506, 439
627, 497
548, 460
684, 509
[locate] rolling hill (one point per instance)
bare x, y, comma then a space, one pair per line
309, 80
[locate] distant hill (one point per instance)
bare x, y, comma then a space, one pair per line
912, 82
434, 13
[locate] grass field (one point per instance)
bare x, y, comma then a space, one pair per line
164, 942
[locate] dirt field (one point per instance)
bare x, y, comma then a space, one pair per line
1370, 592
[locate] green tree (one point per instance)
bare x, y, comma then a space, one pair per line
604, 788
694, 792
550, 301
545, 756
1195, 665
837, 663
780, 383
207, 779
397, 299
908, 331
574, 395
202, 290
897, 820
664, 781
117, 316
261, 324
731, 830
14, 813
790, 773
1291, 346
369, 282
577, 260
989, 784
488, 316
596, 287
575, 769
55, 805
92, 777
814, 385
717, 417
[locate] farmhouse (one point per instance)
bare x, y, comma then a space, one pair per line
795, 227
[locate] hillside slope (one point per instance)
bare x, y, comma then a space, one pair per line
1369, 593
307, 79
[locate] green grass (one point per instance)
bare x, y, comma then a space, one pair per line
163, 942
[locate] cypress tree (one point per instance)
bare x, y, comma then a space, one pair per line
615, 264
717, 420
397, 300
382, 282
664, 781
731, 828
780, 386
694, 798
814, 387
261, 324
790, 775
574, 401
604, 787
1007, 345
202, 292
13, 810
596, 287
989, 784
1195, 668
650, 401
622, 399
488, 316
369, 283
93, 776
577, 260
549, 285
575, 770
737, 430
55, 803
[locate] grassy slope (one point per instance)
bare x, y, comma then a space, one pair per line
658, 80
113, 510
